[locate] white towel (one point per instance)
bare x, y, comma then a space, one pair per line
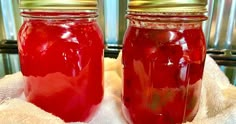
218, 99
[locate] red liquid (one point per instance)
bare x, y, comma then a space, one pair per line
62, 61
162, 74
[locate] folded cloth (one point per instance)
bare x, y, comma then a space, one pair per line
16, 111
217, 101
11, 86
218, 97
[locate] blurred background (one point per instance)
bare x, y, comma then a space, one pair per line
220, 32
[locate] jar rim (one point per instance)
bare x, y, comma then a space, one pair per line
58, 14
164, 17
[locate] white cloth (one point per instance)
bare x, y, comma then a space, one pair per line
218, 99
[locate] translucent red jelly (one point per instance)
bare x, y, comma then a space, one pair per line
162, 74
62, 62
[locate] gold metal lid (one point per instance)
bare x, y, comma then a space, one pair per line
58, 4
167, 6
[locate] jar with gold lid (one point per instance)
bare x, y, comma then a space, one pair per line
163, 59
61, 56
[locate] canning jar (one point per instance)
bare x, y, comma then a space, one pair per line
163, 59
61, 56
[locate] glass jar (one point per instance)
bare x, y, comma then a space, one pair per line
61, 56
163, 59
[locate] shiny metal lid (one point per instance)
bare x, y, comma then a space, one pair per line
167, 6
59, 4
